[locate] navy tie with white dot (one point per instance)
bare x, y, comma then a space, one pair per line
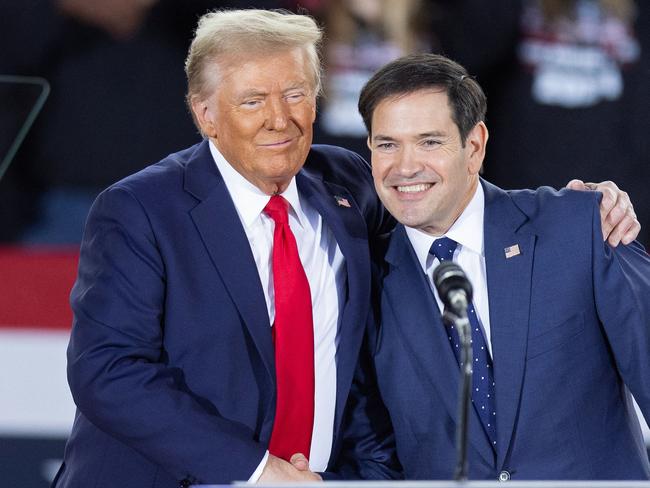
483, 376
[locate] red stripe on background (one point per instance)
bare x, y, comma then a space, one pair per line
35, 284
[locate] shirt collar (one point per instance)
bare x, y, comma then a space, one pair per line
248, 199
467, 231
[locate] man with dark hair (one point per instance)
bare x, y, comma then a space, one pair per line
560, 320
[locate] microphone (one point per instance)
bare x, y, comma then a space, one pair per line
455, 291
453, 287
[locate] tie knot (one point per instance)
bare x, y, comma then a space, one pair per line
443, 248
277, 209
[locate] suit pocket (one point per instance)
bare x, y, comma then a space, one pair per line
555, 336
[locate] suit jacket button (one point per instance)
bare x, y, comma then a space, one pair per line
504, 476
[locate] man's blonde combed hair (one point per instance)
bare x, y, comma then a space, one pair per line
238, 33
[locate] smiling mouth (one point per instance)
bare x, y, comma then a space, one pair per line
414, 188
277, 144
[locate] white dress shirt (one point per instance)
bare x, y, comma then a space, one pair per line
467, 231
324, 266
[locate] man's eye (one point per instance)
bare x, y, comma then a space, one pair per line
386, 145
251, 103
430, 142
295, 97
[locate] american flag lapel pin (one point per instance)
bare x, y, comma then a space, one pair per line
512, 251
342, 202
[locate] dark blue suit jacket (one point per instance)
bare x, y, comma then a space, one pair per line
171, 361
570, 327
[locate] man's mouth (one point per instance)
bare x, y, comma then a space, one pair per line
414, 188
278, 143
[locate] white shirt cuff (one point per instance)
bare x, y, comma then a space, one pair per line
258, 472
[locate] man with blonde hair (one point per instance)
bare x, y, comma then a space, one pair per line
222, 292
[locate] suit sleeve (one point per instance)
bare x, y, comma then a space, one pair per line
117, 366
622, 292
359, 182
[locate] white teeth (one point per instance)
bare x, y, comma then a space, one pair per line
414, 188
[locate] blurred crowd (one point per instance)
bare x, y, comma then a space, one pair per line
568, 83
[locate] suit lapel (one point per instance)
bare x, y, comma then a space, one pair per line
349, 229
414, 308
218, 224
509, 290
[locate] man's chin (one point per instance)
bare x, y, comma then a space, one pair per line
406, 218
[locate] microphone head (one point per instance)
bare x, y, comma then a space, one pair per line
449, 279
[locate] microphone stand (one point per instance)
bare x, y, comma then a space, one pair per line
461, 322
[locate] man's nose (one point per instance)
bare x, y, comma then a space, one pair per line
277, 114
408, 163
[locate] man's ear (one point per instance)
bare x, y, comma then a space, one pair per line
475, 145
204, 116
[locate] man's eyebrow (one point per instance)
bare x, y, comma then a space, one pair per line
253, 92
382, 137
299, 85
435, 133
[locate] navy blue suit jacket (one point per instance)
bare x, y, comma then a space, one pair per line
570, 328
171, 360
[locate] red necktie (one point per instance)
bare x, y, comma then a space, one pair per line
293, 334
